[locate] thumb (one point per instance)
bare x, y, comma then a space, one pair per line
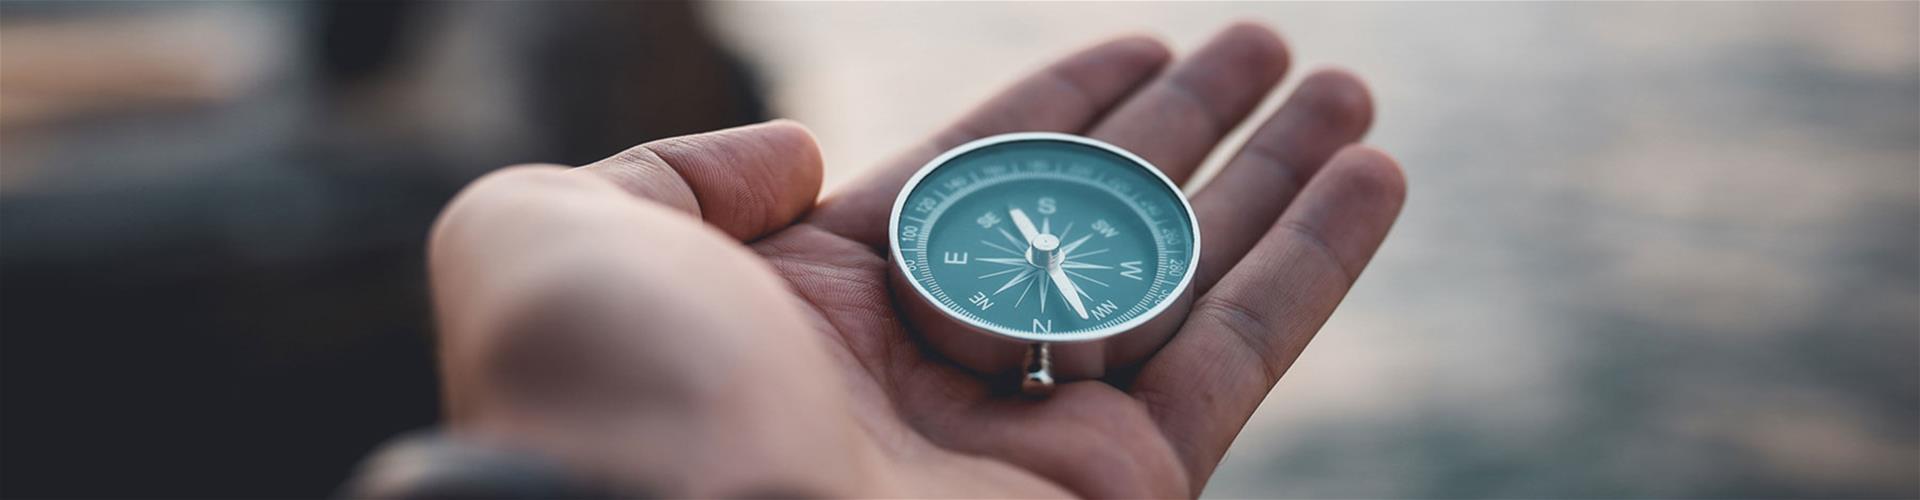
748, 181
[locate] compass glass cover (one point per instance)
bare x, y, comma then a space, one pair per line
1114, 232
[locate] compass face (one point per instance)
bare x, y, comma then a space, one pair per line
1044, 237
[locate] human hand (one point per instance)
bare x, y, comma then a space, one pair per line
683, 319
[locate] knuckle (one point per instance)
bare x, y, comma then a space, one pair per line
1245, 325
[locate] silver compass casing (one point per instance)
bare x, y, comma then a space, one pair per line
995, 352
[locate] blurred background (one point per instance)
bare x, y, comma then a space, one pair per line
1651, 250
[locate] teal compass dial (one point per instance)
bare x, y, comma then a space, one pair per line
1044, 237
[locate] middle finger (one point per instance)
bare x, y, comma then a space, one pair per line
1179, 118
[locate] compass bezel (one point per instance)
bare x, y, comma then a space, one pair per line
897, 254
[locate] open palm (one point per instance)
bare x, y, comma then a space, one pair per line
685, 319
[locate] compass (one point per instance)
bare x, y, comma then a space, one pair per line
1053, 255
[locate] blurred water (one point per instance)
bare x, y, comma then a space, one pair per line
1651, 249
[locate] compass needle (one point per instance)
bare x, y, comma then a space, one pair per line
1025, 224
1065, 284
